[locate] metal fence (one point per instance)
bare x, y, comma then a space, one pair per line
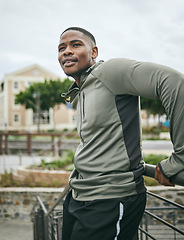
47, 223
165, 222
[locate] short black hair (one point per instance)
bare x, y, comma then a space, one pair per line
82, 30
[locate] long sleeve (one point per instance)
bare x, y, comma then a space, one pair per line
123, 76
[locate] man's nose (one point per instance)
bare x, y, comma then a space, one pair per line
68, 51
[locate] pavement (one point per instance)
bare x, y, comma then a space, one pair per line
16, 229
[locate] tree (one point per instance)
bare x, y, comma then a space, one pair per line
153, 107
43, 96
55, 88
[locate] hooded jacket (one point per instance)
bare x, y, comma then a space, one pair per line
108, 161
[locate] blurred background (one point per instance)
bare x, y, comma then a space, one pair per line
38, 135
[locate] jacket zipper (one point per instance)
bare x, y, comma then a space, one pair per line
80, 118
83, 105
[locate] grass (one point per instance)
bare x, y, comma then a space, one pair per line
154, 158
150, 181
7, 180
155, 129
64, 163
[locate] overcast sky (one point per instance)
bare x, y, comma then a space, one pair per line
145, 30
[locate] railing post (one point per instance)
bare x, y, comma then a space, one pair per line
141, 225
6, 144
53, 147
174, 223
45, 226
34, 226
39, 231
146, 225
29, 143
59, 146
50, 227
1, 143
59, 225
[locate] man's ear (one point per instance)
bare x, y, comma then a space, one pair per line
94, 52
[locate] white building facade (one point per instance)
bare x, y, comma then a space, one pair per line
14, 117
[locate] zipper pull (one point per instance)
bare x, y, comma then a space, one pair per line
67, 100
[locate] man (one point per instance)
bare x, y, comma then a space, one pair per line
108, 193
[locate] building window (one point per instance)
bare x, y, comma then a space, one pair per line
28, 84
16, 85
2, 87
16, 118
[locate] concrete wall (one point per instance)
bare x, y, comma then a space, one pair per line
18, 202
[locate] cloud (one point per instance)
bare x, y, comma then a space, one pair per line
143, 30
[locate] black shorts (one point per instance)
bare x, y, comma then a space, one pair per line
107, 219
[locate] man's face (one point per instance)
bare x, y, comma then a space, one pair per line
76, 53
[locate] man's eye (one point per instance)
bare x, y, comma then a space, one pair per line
76, 44
61, 49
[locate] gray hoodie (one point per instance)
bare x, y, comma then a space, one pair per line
108, 161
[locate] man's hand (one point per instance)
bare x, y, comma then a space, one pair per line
161, 179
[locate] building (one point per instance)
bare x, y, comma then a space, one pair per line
14, 117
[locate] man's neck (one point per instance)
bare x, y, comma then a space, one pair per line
77, 78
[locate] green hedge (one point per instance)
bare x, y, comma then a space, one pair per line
154, 158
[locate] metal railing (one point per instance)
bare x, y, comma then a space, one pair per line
47, 223
166, 224
177, 179
6, 144
153, 226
